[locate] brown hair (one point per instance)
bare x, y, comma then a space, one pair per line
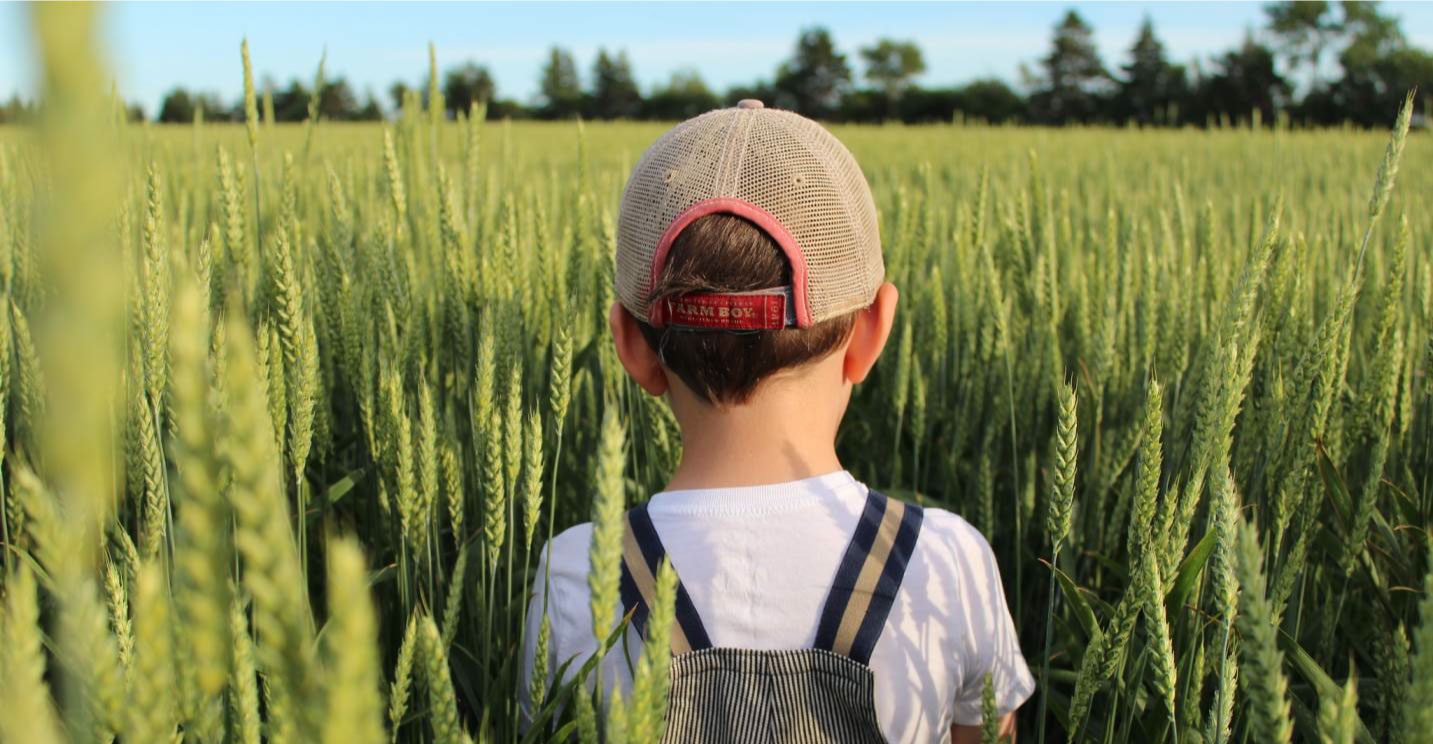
726, 253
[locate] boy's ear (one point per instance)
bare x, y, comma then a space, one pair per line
868, 337
637, 357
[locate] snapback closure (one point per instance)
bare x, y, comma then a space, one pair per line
735, 312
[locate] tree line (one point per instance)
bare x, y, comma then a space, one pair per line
1281, 73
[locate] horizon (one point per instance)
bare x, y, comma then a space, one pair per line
156, 47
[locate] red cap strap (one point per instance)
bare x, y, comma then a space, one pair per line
798, 302
764, 310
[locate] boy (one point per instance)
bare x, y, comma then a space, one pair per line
751, 294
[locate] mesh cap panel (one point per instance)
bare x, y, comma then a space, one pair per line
779, 161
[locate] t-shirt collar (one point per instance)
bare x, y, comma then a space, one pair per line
763, 499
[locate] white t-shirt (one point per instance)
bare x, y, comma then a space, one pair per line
758, 563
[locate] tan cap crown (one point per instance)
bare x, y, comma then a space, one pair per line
780, 170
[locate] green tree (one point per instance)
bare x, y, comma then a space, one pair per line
890, 65
508, 108
561, 89
214, 108
465, 85
371, 110
1151, 85
761, 90
1075, 83
1368, 32
812, 81
177, 106
992, 100
1379, 65
1245, 80
396, 93
614, 88
989, 100
683, 96
16, 110
291, 102
1303, 30
1368, 36
337, 102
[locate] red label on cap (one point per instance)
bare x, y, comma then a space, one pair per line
728, 311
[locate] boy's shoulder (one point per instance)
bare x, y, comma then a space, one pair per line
569, 549
944, 535
949, 541
560, 582
950, 526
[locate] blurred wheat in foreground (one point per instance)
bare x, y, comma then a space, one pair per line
290, 412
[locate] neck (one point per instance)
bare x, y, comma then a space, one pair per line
780, 435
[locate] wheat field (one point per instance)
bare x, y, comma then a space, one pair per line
290, 411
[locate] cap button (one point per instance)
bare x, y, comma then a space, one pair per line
750, 103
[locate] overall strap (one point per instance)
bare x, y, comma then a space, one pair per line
868, 577
642, 553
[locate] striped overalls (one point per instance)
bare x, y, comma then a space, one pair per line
797, 696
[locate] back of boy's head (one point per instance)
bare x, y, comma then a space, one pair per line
747, 239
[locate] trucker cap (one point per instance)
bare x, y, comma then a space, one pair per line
786, 174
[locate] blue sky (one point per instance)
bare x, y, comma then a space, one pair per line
155, 46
